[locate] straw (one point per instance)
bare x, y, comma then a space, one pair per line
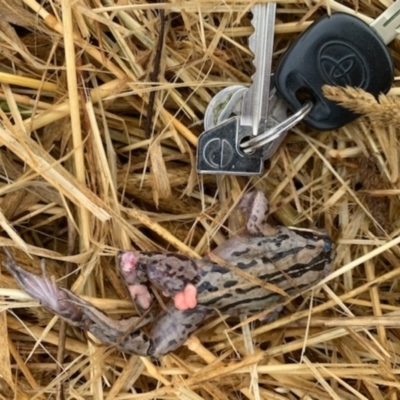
81, 180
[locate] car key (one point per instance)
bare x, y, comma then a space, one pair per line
218, 150
339, 50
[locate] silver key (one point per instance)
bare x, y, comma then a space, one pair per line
256, 100
219, 148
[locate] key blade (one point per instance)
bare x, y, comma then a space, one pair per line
256, 99
387, 25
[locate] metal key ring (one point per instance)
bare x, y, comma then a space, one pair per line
273, 133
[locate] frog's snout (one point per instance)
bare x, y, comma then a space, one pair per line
329, 249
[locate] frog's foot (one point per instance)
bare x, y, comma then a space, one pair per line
45, 291
187, 298
256, 206
133, 277
141, 294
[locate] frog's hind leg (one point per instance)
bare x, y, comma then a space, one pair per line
174, 327
45, 291
125, 334
169, 332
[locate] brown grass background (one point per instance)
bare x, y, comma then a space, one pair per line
84, 172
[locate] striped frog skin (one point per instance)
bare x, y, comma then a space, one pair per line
292, 260
230, 280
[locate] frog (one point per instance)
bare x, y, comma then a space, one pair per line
260, 267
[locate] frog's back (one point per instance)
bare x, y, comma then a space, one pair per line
292, 260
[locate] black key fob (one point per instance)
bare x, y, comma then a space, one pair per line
338, 50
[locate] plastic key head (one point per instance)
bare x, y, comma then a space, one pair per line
338, 50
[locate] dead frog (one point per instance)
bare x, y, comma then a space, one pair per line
290, 259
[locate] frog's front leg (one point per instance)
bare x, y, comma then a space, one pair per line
174, 274
256, 207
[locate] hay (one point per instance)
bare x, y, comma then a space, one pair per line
89, 168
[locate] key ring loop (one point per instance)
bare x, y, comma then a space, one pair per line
276, 131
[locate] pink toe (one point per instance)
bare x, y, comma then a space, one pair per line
144, 300
134, 290
186, 299
190, 294
141, 294
180, 301
128, 261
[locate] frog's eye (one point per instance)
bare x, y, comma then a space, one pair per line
327, 246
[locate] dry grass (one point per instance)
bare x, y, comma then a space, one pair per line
80, 179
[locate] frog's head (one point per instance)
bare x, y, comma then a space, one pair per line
321, 239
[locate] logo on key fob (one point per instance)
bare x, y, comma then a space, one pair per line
342, 65
218, 151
